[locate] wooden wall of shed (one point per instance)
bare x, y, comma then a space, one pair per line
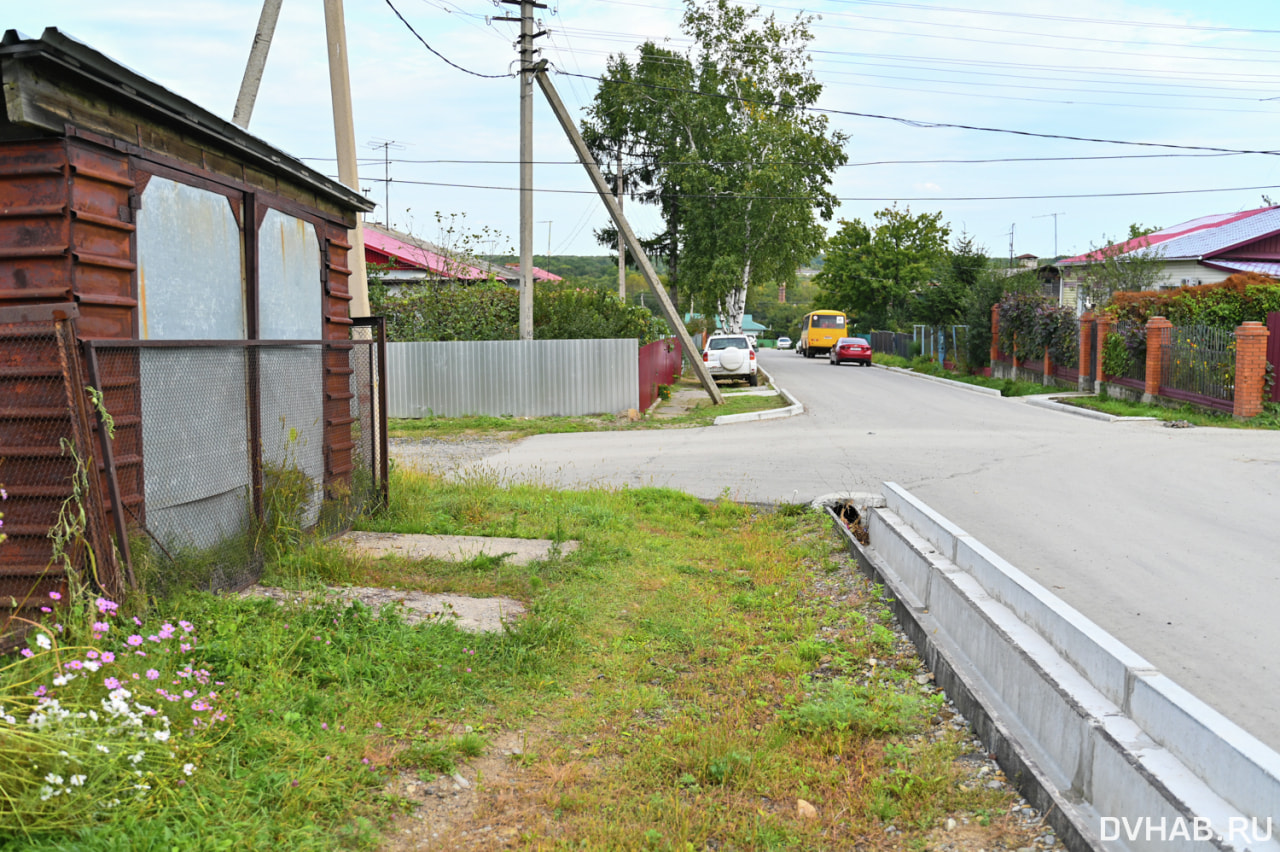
67, 233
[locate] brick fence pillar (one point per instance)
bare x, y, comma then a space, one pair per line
1048, 367
1086, 351
1104, 328
995, 333
1251, 368
1157, 342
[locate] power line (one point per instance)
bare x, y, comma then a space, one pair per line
441, 55
947, 161
744, 196
933, 10
928, 124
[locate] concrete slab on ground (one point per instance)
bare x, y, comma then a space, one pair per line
457, 548
474, 615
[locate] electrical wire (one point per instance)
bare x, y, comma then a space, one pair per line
930, 124
744, 196
446, 60
378, 162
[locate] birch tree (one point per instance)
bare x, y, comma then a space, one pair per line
738, 161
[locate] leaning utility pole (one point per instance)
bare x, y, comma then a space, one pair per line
527, 35
344, 133
257, 62
632, 242
622, 247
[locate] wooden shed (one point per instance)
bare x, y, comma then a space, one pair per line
151, 250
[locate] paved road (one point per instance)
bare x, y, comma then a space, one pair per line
1167, 538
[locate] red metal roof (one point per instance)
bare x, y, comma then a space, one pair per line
1196, 226
419, 257
538, 274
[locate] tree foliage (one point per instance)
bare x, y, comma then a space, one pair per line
722, 138
1243, 297
942, 302
482, 311
581, 313
1113, 270
491, 312
873, 271
1031, 324
990, 286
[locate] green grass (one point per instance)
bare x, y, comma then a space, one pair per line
735, 402
921, 364
680, 680
1268, 419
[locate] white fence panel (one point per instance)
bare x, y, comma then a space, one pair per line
519, 378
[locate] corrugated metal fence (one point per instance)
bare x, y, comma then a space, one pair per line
519, 378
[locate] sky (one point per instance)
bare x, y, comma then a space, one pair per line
1178, 76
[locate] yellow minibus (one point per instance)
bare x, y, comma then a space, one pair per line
819, 331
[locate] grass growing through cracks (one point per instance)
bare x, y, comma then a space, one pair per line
683, 678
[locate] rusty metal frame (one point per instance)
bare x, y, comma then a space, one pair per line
108, 574
106, 442
378, 374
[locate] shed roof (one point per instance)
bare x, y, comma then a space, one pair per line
1196, 239
60, 57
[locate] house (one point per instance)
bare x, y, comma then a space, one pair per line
150, 249
538, 274
407, 260
1201, 251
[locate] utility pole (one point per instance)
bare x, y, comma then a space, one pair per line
344, 133
257, 62
386, 145
527, 35
1055, 228
622, 246
1011, 245
602, 189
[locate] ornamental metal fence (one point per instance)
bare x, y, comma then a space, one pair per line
1200, 361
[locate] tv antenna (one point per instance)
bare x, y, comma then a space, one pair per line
1055, 228
387, 146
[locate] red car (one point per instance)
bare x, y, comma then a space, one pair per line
853, 349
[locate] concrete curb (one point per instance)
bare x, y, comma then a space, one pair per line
1089, 730
951, 382
794, 407
1047, 402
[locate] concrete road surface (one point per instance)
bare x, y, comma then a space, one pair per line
1167, 538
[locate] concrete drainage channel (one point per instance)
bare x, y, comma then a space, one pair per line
1115, 754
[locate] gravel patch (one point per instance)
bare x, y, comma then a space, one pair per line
441, 455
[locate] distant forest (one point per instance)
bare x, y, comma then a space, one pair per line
583, 270
601, 272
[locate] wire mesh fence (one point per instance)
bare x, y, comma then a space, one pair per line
1200, 360
228, 450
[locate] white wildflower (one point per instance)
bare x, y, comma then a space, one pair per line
92, 665
188, 768
100, 747
45, 793
161, 736
54, 779
137, 757
42, 639
78, 780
